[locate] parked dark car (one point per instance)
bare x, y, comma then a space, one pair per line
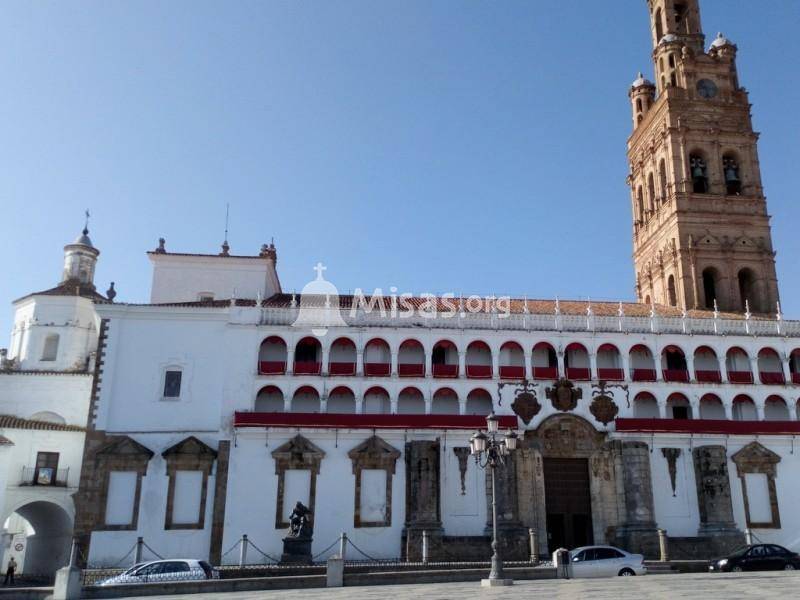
758, 557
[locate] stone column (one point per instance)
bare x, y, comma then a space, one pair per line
528, 363
394, 363
289, 361
423, 505
637, 530
360, 363
462, 363
713, 490
512, 536
326, 353
626, 366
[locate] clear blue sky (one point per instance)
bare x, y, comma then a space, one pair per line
471, 146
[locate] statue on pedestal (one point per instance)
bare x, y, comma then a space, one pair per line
297, 543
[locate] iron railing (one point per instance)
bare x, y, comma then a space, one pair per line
44, 476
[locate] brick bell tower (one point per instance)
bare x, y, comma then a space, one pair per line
701, 232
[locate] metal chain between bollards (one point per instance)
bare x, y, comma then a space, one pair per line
156, 554
127, 554
360, 551
336, 541
231, 549
261, 552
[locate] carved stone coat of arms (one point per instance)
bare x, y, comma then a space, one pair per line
564, 395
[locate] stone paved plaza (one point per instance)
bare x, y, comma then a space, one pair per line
706, 586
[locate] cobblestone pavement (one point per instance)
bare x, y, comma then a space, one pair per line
722, 586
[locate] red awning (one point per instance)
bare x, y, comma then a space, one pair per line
351, 421
708, 426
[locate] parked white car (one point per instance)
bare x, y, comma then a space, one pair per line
605, 561
162, 571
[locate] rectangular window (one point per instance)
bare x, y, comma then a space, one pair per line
758, 497
50, 350
187, 499
172, 384
121, 497
46, 468
373, 495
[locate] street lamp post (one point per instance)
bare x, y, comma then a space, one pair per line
490, 450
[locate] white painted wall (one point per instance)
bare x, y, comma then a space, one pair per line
182, 278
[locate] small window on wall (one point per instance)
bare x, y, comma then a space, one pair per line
50, 350
172, 384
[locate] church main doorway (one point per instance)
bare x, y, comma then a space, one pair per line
569, 503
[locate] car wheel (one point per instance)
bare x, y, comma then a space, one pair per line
789, 567
737, 569
626, 573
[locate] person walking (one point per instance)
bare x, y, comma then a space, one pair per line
12, 566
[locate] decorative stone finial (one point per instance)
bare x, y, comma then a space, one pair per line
161, 246
225, 249
111, 293
269, 251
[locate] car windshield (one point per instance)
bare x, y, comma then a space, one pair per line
739, 551
133, 568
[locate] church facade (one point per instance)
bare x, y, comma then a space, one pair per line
224, 401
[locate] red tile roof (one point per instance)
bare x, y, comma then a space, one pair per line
12, 422
71, 287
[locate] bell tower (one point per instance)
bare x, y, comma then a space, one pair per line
701, 233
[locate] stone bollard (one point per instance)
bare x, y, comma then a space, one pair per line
561, 563
663, 544
137, 557
243, 551
425, 547
534, 542
68, 579
335, 572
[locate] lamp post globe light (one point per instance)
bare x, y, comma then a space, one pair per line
490, 450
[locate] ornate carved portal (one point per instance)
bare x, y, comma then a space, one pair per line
576, 487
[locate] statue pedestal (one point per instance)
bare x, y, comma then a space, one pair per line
296, 550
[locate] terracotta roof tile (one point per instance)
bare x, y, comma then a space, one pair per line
516, 306
12, 422
71, 287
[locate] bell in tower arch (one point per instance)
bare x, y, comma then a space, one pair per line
731, 170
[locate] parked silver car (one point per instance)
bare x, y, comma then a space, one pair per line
605, 561
161, 571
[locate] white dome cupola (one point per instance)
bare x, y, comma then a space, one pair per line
80, 259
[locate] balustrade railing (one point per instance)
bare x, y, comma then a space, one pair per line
540, 322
